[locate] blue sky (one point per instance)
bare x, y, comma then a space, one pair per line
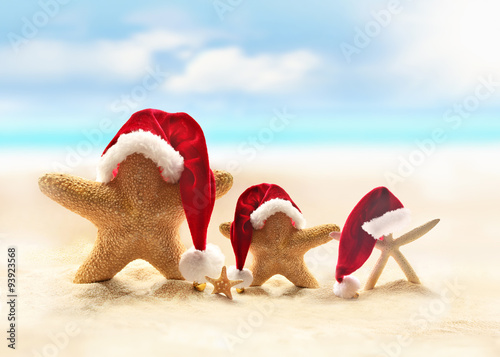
354, 71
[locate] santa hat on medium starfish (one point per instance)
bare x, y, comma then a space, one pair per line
379, 213
253, 208
176, 143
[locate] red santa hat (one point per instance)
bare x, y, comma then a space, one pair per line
378, 214
176, 143
253, 208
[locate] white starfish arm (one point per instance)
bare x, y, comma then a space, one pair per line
416, 233
335, 235
405, 267
377, 270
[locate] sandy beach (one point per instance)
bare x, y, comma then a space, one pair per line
455, 312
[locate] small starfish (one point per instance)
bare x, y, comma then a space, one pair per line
223, 285
390, 248
137, 214
279, 248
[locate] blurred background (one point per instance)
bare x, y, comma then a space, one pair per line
364, 72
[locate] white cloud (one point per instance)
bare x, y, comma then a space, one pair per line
161, 40
229, 69
10, 105
444, 46
127, 59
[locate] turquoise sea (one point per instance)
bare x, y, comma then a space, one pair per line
299, 132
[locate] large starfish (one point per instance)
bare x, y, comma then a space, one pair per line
389, 247
137, 214
279, 248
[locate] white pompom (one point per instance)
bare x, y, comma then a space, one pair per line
348, 288
235, 274
196, 264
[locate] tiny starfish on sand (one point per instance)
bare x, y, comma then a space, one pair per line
137, 214
279, 248
390, 248
223, 285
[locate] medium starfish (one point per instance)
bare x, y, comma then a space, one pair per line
223, 285
137, 214
279, 248
390, 248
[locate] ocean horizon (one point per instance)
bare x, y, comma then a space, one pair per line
334, 132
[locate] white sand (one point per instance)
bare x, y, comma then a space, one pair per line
455, 312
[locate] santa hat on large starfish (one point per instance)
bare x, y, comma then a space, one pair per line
253, 208
176, 143
379, 213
